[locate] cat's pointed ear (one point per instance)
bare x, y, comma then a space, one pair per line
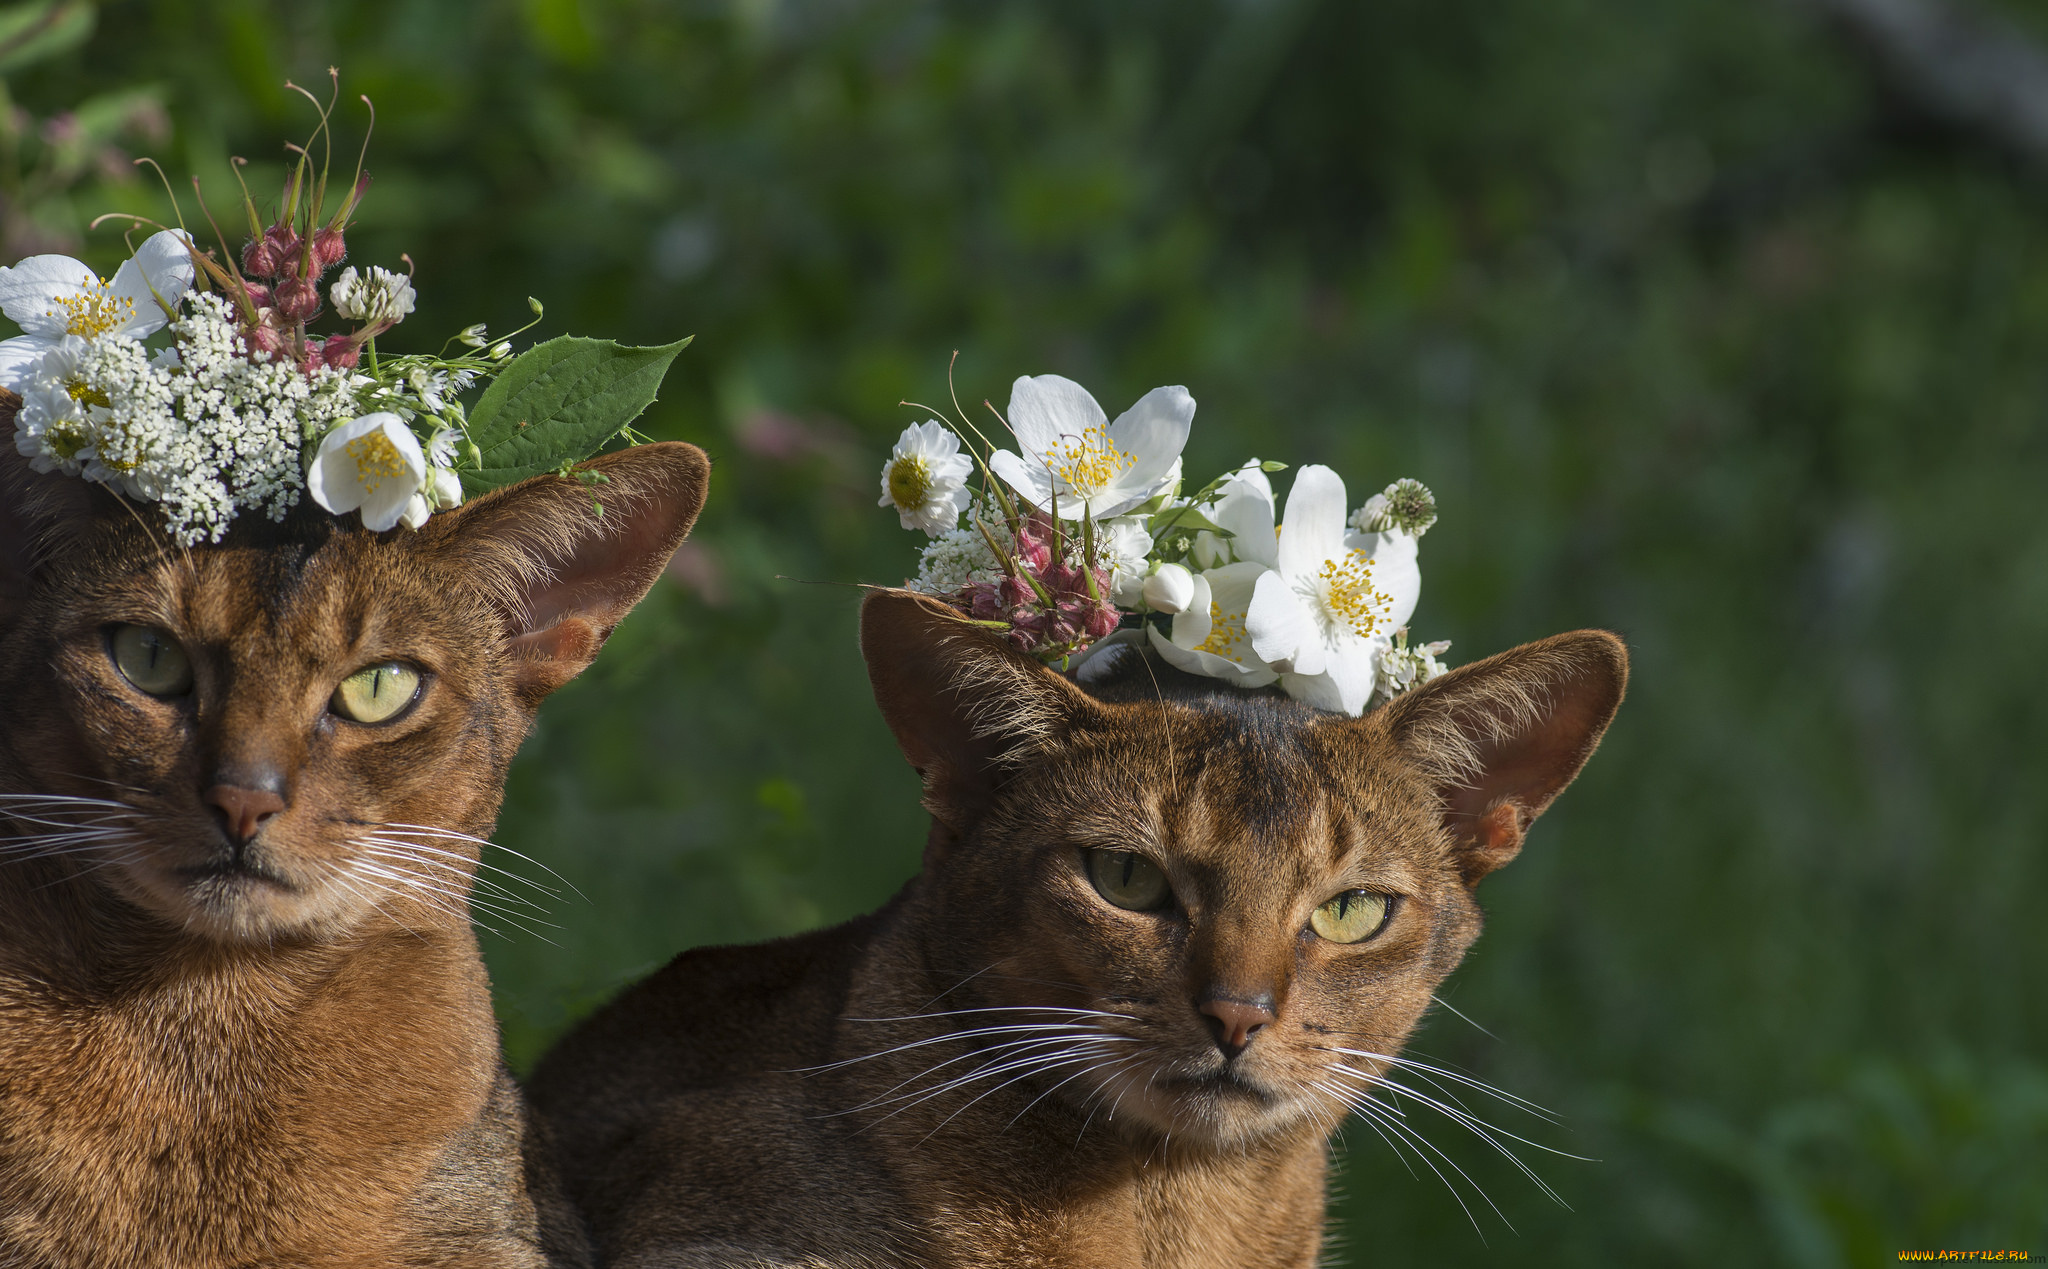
563, 573
36, 512
1501, 738
966, 710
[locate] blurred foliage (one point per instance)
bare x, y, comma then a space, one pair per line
1693, 333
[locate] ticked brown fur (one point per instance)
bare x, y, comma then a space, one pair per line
225, 1050
1002, 1067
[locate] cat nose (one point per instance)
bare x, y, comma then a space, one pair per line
1234, 1021
242, 812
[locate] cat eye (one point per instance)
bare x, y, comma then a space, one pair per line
151, 660
1128, 880
376, 693
1351, 917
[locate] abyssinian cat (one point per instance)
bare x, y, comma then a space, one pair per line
1167, 933
243, 789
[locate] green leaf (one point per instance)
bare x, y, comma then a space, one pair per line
1185, 520
557, 403
30, 33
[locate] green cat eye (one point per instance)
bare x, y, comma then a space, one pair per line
151, 660
376, 693
1351, 917
1128, 880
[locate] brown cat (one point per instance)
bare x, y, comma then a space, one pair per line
1166, 934
243, 788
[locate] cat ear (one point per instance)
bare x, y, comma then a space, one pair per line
561, 573
36, 512
966, 710
1501, 738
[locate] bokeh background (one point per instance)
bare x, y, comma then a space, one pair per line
1720, 323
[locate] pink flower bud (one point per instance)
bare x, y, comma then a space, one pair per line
298, 299
263, 339
340, 353
328, 249
1100, 622
260, 296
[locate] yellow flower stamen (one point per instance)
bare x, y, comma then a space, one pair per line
94, 312
377, 459
1348, 595
85, 394
1227, 637
1089, 461
910, 481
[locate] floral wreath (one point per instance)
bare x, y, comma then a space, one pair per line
1081, 539
196, 383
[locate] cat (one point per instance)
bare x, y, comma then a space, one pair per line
243, 792
1167, 933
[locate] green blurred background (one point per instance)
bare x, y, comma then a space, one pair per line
1697, 331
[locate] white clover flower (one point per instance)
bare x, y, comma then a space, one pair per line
52, 297
1170, 589
382, 298
1209, 633
1332, 601
372, 464
925, 478
1406, 505
1403, 667
1075, 458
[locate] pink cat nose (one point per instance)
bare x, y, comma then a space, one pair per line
243, 811
1235, 1021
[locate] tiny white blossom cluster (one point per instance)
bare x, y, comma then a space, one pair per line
203, 428
1088, 535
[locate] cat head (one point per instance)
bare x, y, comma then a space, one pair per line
1217, 914
305, 724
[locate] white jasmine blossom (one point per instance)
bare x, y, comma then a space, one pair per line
1209, 633
925, 478
380, 298
55, 297
1332, 601
1075, 461
371, 464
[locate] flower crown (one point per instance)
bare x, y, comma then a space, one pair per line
1084, 540
241, 407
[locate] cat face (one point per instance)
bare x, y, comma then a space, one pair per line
306, 725
1221, 913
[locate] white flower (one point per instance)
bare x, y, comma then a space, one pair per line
1121, 546
1403, 667
416, 512
206, 435
443, 489
925, 478
51, 297
1332, 602
1170, 589
1406, 504
372, 464
441, 447
1071, 458
382, 298
956, 560
1209, 634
